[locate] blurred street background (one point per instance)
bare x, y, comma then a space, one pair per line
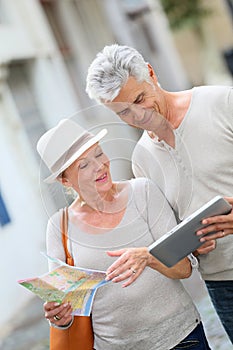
46, 47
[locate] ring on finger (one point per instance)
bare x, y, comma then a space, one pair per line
133, 271
56, 318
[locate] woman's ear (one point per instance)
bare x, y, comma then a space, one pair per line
152, 73
64, 181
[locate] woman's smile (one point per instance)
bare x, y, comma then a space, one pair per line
102, 178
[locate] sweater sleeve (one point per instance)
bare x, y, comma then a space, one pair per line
54, 241
141, 161
230, 104
160, 216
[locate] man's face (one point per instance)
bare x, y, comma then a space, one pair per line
138, 104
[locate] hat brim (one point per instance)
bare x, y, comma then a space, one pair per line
76, 155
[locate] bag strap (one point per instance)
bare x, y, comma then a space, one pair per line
64, 232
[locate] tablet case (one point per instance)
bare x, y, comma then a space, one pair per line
182, 239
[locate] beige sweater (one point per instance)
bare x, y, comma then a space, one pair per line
155, 312
199, 168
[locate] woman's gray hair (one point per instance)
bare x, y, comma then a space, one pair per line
110, 70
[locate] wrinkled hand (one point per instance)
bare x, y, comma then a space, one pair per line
223, 224
129, 265
61, 311
206, 247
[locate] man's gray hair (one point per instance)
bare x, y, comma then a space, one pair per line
110, 70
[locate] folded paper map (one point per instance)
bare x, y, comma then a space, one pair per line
68, 284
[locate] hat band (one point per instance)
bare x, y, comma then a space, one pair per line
71, 151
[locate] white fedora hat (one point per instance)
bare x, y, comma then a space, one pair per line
60, 146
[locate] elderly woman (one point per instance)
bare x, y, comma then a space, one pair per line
111, 224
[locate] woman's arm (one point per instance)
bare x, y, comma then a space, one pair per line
54, 246
131, 263
58, 315
159, 218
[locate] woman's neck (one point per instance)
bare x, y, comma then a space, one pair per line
105, 202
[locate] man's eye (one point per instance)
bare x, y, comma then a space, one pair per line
99, 154
139, 99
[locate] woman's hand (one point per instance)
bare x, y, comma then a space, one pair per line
132, 262
222, 224
129, 265
59, 314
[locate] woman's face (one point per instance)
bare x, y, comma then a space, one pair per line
90, 173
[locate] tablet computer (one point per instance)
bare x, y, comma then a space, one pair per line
182, 239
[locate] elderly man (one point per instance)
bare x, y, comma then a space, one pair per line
186, 148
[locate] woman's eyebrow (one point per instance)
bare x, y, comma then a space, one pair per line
98, 148
80, 159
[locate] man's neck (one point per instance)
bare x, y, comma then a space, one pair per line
177, 106
179, 103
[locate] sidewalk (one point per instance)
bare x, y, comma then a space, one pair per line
215, 333
29, 330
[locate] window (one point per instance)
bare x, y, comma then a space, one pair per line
22, 90
230, 4
4, 216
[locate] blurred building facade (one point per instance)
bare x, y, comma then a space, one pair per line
206, 52
46, 48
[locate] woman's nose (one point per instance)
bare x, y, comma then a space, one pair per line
137, 112
98, 164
